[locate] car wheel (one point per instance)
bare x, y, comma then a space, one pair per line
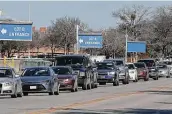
57, 92
25, 93
116, 83
146, 79
84, 87
95, 86
15, 93
89, 86
124, 81
168, 77
19, 94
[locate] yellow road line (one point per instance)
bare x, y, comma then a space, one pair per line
74, 105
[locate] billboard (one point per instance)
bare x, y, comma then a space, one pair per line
136, 46
16, 32
90, 40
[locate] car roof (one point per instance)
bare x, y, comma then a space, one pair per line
37, 67
61, 67
6, 68
105, 62
74, 55
139, 63
115, 59
147, 59
129, 63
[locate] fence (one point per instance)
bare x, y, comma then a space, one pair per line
18, 64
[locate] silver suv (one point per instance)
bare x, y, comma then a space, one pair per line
10, 83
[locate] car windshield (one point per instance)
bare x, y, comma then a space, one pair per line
139, 65
105, 66
130, 66
61, 71
149, 63
117, 62
5, 73
69, 60
162, 66
167, 63
36, 72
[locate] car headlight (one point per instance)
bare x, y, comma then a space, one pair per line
111, 73
8, 84
82, 73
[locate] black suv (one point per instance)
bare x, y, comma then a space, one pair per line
153, 70
83, 66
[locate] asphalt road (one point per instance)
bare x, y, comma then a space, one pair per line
152, 97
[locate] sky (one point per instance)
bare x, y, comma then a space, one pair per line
97, 14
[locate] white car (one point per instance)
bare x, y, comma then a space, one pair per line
132, 72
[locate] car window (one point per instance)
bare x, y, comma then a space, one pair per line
130, 66
69, 60
161, 66
139, 65
36, 72
105, 66
149, 63
61, 71
6, 73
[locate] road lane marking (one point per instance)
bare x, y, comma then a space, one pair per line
74, 105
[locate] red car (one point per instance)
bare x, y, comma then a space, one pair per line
67, 78
142, 70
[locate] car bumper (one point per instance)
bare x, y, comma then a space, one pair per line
153, 74
162, 75
8, 90
105, 78
36, 88
65, 86
132, 76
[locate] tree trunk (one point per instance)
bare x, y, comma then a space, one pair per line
52, 52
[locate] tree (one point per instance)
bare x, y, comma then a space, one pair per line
65, 29
162, 22
51, 39
132, 18
113, 43
11, 47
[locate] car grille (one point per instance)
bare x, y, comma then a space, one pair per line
39, 87
103, 73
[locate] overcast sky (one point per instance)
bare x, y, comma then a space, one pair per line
98, 15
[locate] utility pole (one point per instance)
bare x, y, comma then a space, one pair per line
77, 41
126, 40
29, 21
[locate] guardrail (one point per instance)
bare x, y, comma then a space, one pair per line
20, 63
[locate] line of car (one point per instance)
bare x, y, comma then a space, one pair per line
72, 71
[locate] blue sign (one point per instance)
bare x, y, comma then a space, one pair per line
136, 46
90, 41
16, 32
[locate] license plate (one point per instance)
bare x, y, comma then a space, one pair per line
102, 76
32, 87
